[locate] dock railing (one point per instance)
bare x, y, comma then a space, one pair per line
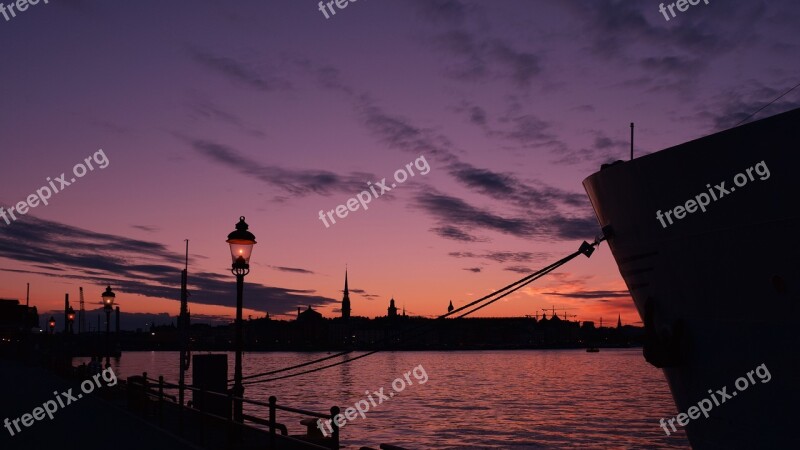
147, 396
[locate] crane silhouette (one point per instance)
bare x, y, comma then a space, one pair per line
559, 309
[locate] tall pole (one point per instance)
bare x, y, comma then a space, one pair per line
66, 313
241, 242
238, 389
82, 326
183, 324
631, 141
27, 317
108, 335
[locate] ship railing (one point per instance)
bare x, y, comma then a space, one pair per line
143, 389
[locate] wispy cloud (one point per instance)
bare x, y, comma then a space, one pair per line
456, 234
473, 55
518, 269
295, 182
455, 216
132, 266
363, 293
604, 149
590, 294
504, 256
292, 270
452, 12
145, 228
732, 106
238, 71
209, 111
453, 211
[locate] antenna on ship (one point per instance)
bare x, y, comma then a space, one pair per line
631, 141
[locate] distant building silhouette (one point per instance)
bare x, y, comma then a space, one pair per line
346, 299
619, 321
309, 315
313, 332
15, 317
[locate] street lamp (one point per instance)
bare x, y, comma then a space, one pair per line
241, 242
70, 319
52, 324
108, 305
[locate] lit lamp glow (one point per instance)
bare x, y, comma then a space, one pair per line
70, 318
241, 242
108, 298
108, 304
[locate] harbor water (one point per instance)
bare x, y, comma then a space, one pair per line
466, 399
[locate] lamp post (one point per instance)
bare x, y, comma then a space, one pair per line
70, 319
241, 242
108, 305
52, 324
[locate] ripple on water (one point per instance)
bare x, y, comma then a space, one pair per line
523, 399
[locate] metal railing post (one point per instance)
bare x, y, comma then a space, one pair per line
144, 394
272, 420
180, 415
234, 431
160, 399
203, 418
335, 434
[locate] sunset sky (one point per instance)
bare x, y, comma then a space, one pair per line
211, 110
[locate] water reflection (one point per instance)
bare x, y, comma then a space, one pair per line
488, 399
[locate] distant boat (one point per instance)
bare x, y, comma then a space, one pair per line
592, 350
716, 285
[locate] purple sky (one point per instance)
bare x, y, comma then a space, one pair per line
208, 110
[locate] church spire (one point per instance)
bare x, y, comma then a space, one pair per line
619, 321
346, 299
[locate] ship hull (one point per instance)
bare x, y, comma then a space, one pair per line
718, 290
